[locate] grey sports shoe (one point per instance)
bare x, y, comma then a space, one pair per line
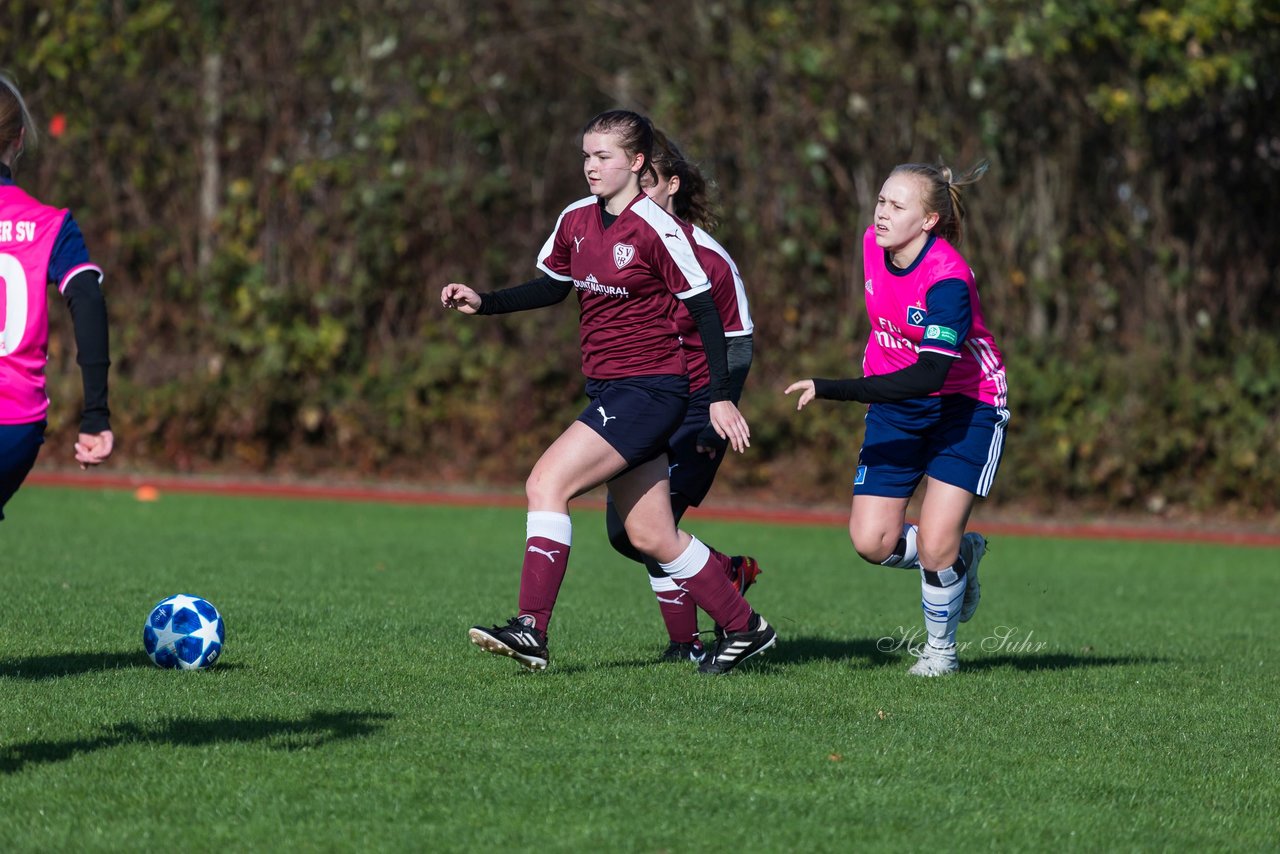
972, 547
934, 660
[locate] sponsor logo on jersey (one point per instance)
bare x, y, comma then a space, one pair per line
592, 285
941, 333
860, 476
915, 316
622, 254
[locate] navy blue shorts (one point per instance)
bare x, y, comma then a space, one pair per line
693, 473
637, 415
19, 445
952, 438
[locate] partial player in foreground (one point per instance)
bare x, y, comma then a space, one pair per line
629, 261
42, 245
936, 384
694, 450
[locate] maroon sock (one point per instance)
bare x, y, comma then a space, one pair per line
545, 562
716, 595
726, 563
679, 614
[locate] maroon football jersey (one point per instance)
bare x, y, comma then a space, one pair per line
730, 296
628, 277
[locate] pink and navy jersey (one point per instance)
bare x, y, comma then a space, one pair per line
730, 296
930, 306
628, 277
39, 244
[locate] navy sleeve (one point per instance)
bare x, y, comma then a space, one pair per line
69, 251
948, 317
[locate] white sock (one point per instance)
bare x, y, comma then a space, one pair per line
941, 605
666, 589
550, 526
690, 562
910, 558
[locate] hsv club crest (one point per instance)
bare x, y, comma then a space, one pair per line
622, 254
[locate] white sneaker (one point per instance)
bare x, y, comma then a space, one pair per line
972, 547
934, 660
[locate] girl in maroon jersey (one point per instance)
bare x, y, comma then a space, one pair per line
694, 450
629, 262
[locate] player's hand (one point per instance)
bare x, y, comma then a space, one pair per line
460, 298
806, 388
92, 449
709, 442
730, 425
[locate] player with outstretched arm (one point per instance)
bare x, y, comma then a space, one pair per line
629, 261
935, 382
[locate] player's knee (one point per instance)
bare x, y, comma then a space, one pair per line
620, 541
871, 546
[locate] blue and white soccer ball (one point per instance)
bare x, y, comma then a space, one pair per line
185, 632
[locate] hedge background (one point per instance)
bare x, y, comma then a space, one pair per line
278, 192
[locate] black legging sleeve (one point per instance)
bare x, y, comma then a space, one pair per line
538, 293
89, 320
922, 379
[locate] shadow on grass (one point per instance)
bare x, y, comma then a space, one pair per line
315, 730
1053, 661
39, 667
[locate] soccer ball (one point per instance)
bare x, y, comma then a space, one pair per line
185, 632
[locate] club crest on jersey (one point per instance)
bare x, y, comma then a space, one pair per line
622, 254
915, 316
868, 288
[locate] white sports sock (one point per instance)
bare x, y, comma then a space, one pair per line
941, 606
910, 558
550, 526
690, 562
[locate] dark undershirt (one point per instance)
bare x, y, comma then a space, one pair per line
89, 320
922, 379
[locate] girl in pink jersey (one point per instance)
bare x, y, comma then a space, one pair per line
629, 262
936, 384
40, 244
694, 450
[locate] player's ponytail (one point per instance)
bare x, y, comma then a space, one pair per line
693, 200
14, 119
941, 195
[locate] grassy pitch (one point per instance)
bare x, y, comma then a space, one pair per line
1115, 695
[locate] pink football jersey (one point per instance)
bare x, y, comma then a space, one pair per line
628, 277
900, 327
730, 296
28, 230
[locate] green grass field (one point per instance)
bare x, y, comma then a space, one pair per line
1131, 705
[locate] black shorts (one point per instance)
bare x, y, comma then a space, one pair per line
637, 415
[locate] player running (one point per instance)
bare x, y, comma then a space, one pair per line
694, 450
40, 244
629, 262
936, 384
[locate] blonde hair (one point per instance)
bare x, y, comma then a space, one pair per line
942, 195
14, 119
